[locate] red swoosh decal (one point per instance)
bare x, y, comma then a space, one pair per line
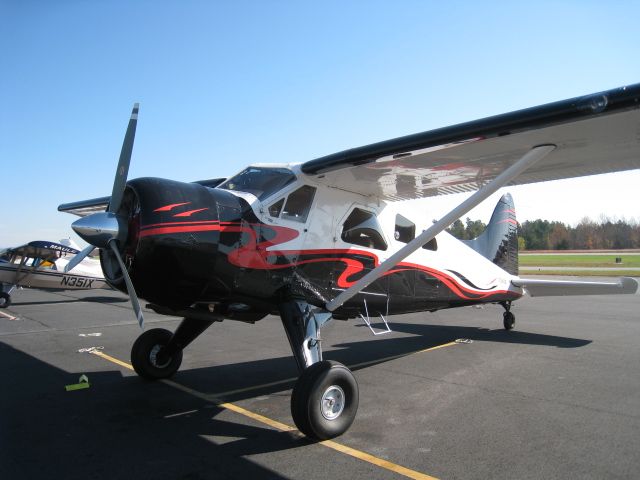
256, 256
190, 212
170, 207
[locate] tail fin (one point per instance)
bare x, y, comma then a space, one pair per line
499, 241
67, 242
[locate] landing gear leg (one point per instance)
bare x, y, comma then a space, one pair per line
157, 353
508, 318
324, 400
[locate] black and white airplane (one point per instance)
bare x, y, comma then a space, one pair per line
42, 264
333, 238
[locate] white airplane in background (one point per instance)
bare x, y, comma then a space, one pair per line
333, 238
42, 264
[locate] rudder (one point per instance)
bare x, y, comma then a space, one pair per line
499, 241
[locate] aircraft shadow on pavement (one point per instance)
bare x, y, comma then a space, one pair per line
124, 427
118, 428
238, 381
97, 299
488, 335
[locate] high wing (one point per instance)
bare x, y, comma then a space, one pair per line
84, 208
26, 259
598, 133
47, 251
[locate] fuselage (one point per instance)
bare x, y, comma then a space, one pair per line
51, 276
272, 231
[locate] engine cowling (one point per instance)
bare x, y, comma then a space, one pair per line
172, 241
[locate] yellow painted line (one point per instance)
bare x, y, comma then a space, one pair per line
401, 355
112, 359
10, 317
353, 366
393, 467
352, 452
174, 415
259, 418
262, 386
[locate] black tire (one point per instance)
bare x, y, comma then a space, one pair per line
144, 351
5, 300
324, 400
509, 320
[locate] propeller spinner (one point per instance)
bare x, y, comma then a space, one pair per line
108, 230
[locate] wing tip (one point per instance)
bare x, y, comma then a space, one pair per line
628, 285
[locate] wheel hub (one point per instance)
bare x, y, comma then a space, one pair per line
332, 403
153, 357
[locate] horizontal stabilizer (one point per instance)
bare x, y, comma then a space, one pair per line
549, 288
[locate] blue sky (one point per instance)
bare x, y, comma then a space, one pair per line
224, 84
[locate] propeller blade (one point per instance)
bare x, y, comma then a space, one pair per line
78, 258
120, 180
132, 293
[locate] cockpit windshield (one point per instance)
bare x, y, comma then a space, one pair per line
261, 182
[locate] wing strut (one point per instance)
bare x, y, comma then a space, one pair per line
527, 160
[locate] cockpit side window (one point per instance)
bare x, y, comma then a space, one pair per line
299, 204
261, 182
276, 208
362, 228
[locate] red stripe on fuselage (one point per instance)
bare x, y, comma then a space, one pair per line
256, 256
165, 224
178, 229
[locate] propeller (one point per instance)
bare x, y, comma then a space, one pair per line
78, 258
107, 230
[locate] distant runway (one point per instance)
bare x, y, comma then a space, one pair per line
580, 269
447, 395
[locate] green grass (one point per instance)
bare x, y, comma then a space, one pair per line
564, 260
583, 273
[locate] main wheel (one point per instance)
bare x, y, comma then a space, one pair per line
324, 401
509, 320
144, 355
5, 300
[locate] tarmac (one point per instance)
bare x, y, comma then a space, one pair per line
449, 395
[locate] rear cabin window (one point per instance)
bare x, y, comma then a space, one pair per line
298, 204
362, 228
431, 245
405, 229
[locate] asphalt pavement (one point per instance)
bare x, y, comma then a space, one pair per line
558, 397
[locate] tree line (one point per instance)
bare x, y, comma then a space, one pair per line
546, 235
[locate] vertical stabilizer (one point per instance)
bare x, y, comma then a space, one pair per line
499, 241
67, 242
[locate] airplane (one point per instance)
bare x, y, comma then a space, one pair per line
41, 264
333, 238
